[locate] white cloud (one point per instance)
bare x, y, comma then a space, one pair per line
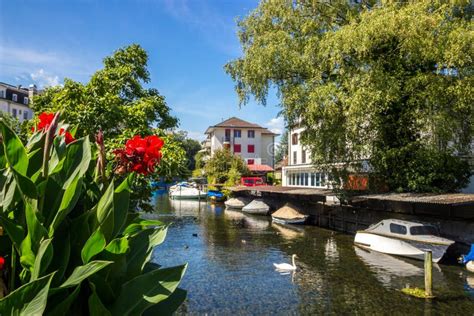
276, 125
44, 79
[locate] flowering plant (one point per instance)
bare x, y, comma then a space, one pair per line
45, 120
140, 155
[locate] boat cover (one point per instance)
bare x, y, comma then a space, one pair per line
217, 194
469, 256
288, 212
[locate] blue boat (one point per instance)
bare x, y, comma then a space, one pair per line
215, 196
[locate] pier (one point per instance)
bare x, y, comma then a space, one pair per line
453, 213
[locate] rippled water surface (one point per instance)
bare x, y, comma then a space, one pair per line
230, 258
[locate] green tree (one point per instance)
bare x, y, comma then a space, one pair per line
114, 100
224, 167
191, 146
385, 81
282, 149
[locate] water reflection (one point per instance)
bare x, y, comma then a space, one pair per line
231, 256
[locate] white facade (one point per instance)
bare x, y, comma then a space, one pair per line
16, 101
300, 171
253, 143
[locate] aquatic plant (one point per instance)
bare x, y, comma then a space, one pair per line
71, 244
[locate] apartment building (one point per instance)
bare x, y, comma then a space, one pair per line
16, 100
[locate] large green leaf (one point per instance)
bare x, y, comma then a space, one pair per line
82, 272
121, 203
139, 224
69, 200
29, 299
105, 212
15, 152
13, 229
94, 245
146, 290
169, 305
60, 261
36, 232
25, 185
77, 160
63, 307
141, 247
43, 259
96, 308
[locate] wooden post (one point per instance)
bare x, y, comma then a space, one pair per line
428, 273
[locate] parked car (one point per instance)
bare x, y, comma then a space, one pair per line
252, 181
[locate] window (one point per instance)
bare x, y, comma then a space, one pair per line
306, 177
251, 148
294, 139
318, 179
25, 100
303, 156
398, 229
227, 135
14, 112
237, 133
14, 97
323, 179
237, 148
250, 161
293, 176
251, 133
312, 179
297, 179
25, 115
295, 155
424, 230
2, 94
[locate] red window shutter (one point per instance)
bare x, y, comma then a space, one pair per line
250, 162
236, 148
251, 148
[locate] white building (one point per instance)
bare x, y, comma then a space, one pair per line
255, 144
16, 100
300, 171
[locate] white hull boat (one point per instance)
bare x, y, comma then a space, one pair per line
185, 193
403, 238
236, 203
256, 207
289, 214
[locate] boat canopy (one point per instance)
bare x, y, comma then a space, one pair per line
469, 256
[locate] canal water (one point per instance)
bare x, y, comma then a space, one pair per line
230, 258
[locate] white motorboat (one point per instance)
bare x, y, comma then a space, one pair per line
236, 203
256, 207
183, 192
468, 260
403, 238
288, 214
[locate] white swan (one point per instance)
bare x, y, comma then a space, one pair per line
286, 266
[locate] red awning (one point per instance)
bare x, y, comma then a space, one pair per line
260, 168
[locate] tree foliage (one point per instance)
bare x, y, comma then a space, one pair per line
282, 149
114, 100
224, 167
385, 81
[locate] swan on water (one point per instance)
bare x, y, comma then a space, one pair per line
286, 266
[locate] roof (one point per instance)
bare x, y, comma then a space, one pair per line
260, 168
235, 122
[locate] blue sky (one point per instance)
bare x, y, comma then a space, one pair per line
188, 42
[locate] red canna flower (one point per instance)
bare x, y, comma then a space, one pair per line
140, 155
2, 263
68, 138
45, 120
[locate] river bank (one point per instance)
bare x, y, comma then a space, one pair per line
231, 256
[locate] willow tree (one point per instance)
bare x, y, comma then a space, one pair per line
386, 82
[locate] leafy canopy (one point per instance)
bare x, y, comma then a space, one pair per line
385, 81
114, 99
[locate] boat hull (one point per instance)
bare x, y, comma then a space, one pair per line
187, 194
255, 211
399, 247
470, 266
295, 221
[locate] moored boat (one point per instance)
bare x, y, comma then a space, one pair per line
215, 196
468, 260
288, 214
183, 192
236, 203
256, 207
403, 238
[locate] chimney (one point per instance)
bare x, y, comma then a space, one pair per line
32, 90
